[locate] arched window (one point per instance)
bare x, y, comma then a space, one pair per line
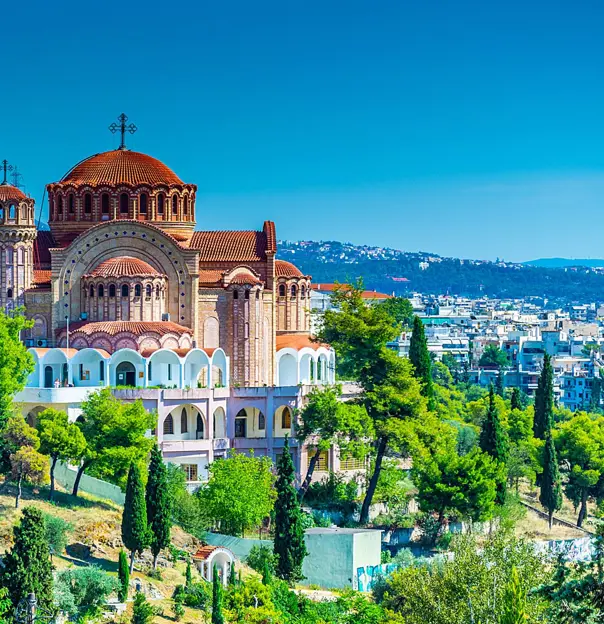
9, 293
148, 291
60, 205
71, 203
261, 421
87, 203
286, 418
142, 204
101, 290
174, 204
12, 212
302, 292
168, 425
241, 424
246, 293
184, 421
185, 205
125, 290
235, 294
281, 290
124, 203
199, 428
20, 255
161, 200
1, 213
105, 203
112, 290
137, 290
92, 291
157, 291
294, 290
257, 294
101, 370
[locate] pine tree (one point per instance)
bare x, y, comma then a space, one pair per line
159, 512
550, 495
544, 400
514, 602
217, 617
123, 574
515, 400
27, 567
420, 358
289, 545
494, 442
142, 612
135, 533
188, 575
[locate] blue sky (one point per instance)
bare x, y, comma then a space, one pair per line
465, 127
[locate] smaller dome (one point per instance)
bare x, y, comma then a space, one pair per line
286, 269
124, 266
11, 193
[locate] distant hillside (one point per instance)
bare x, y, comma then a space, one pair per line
391, 270
558, 263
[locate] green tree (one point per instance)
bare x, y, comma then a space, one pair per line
27, 567
142, 611
420, 358
550, 495
515, 400
115, 434
59, 439
391, 394
217, 616
596, 395
495, 357
56, 533
82, 592
289, 545
499, 384
544, 400
26, 463
188, 575
329, 422
157, 496
580, 442
123, 575
239, 493
400, 310
266, 573
135, 532
493, 441
6, 607
514, 609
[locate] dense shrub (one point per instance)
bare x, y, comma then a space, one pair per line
56, 533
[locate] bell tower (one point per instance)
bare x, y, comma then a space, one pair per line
17, 235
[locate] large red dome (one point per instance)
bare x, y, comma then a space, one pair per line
121, 167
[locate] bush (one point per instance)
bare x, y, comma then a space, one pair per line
56, 533
83, 591
334, 493
260, 556
142, 612
196, 595
186, 509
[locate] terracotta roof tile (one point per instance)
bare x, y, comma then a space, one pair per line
286, 269
297, 342
121, 167
271, 236
210, 277
204, 552
137, 328
230, 246
9, 192
366, 294
245, 279
124, 266
41, 280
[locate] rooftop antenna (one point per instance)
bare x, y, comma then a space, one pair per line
17, 177
122, 128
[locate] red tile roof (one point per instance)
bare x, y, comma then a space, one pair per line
271, 236
286, 269
297, 342
121, 166
41, 279
245, 279
124, 266
230, 246
366, 294
210, 277
8, 193
138, 328
204, 552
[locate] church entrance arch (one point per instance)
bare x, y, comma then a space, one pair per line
125, 374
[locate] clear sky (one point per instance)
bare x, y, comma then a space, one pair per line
462, 127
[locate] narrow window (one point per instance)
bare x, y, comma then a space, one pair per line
102, 370
87, 203
92, 291
174, 204
71, 203
125, 290
150, 371
294, 290
9, 293
281, 290
169, 372
143, 203
148, 291
261, 422
157, 291
235, 294
286, 419
184, 423
169, 425
112, 290
124, 203
199, 428
302, 292
81, 372
137, 290
247, 294
12, 212
101, 290
185, 205
105, 203
20, 256
60, 208
160, 204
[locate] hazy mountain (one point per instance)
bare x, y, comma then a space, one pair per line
558, 263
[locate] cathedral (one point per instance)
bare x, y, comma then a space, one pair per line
209, 328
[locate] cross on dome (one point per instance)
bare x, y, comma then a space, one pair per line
123, 128
6, 168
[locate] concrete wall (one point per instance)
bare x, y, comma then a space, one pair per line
239, 546
66, 475
330, 561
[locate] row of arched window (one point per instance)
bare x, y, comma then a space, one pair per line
168, 428
10, 258
11, 213
246, 294
124, 290
293, 290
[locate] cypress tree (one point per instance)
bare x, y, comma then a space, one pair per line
419, 356
544, 400
135, 533
515, 401
493, 442
514, 608
266, 572
499, 387
27, 567
123, 574
217, 617
550, 495
232, 575
188, 575
159, 512
289, 546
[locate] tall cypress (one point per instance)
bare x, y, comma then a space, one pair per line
499, 387
550, 495
135, 532
493, 441
515, 401
544, 400
217, 617
419, 356
159, 512
123, 575
27, 567
289, 545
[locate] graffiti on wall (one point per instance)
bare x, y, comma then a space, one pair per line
367, 575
